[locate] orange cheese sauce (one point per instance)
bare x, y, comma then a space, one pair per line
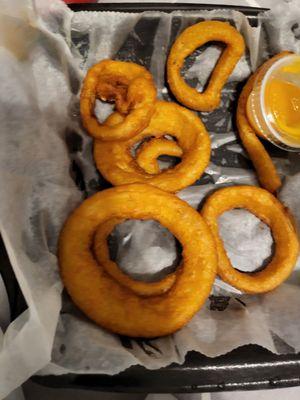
282, 100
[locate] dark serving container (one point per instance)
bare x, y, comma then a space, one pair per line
248, 367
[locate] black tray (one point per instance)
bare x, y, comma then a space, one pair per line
165, 7
248, 367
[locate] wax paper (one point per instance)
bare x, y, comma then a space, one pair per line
47, 169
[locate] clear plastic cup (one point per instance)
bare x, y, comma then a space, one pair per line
261, 115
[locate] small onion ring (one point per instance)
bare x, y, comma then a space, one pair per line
267, 208
114, 306
186, 43
265, 169
149, 152
102, 256
130, 86
118, 166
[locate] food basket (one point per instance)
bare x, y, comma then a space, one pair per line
245, 368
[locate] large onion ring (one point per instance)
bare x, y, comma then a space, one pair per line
265, 169
130, 86
187, 42
102, 255
266, 207
109, 303
117, 165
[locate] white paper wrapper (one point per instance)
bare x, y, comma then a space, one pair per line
46, 169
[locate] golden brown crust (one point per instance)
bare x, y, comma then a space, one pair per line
149, 152
266, 207
102, 256
130, 86
114, 306
186, 43
265, 169
117, 165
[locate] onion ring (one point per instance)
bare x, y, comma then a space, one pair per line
130, 86
102, 256
149, 152
109, 303
266, 207
117, 165
186, 43
265, 169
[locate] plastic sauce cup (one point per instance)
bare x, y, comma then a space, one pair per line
273, 106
